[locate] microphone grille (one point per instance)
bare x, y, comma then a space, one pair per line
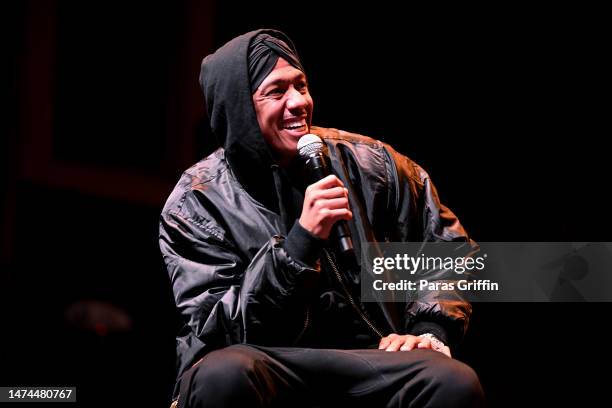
309, 144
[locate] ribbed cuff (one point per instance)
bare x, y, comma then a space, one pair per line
430, 327
302, 246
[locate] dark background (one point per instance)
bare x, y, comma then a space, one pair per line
101, 112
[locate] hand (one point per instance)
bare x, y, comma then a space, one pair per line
407, 342
325, 202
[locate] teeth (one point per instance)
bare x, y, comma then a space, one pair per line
295, 125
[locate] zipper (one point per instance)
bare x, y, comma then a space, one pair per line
306, 323
350, 298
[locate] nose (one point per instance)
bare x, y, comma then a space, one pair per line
296, 100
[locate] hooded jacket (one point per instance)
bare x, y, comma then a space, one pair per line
242, 268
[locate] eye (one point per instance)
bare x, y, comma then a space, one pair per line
275, 92
301, 86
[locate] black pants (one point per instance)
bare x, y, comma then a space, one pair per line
255, 376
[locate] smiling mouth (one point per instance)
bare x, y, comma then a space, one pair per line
295, 125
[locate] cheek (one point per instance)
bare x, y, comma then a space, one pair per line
274, 115
310, 103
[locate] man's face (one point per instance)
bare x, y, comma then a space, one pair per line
284, 109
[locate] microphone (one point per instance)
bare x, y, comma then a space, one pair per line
312, 151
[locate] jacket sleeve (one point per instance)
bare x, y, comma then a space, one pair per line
419, 216
226, 299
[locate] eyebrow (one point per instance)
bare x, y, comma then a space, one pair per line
281, 81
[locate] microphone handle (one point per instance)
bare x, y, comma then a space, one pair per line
318, 169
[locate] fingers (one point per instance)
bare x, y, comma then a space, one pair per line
424, 343
410, 343
385, 341
328, 182
325, 203
334, 192
338, 214
332, 204
395, 342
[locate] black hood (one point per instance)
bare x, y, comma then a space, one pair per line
224, 78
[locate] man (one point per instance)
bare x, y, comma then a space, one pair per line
272, 314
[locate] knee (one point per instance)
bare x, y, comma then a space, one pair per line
223, 376
458, 382
230, 367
